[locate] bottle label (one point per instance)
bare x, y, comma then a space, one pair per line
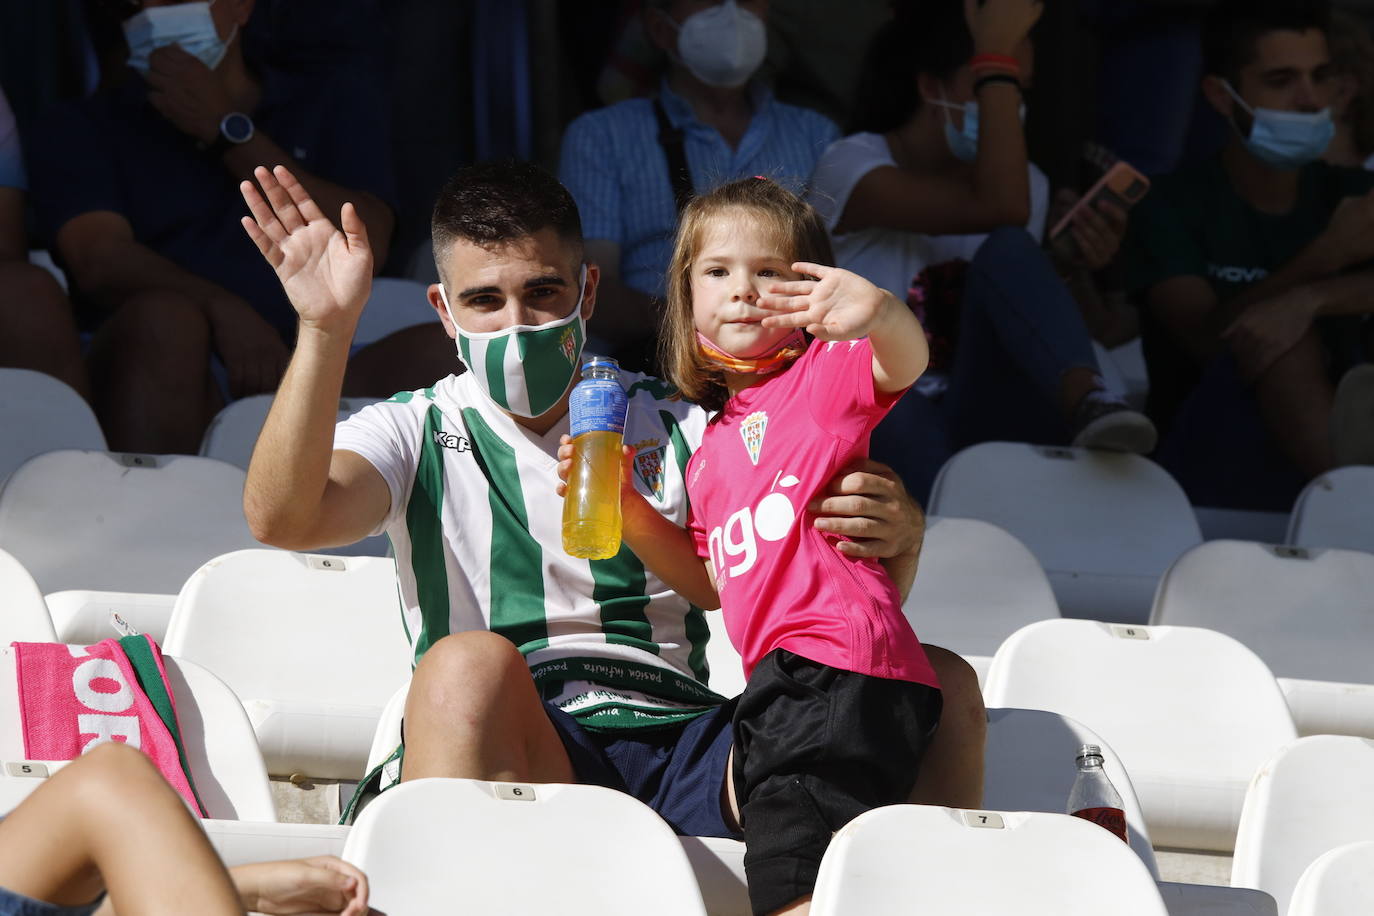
597, 405
1114, 819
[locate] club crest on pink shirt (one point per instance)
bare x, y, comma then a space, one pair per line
649, 465
751, 429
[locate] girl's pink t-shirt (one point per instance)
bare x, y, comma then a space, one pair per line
782, 583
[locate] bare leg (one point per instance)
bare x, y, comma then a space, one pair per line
473, 712
110, 816
150, 366
1295, 398
37, 330
952, 769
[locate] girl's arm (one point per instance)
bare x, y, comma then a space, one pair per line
996, 194
668, 550
840, 305
665, 548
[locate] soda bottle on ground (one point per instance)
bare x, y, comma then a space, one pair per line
1093, 797
591, 508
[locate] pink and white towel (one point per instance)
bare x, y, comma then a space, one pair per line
72, 698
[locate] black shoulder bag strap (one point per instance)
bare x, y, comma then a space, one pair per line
671, 139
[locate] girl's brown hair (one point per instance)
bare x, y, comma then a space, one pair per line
802, 237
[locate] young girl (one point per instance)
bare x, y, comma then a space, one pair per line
841, 700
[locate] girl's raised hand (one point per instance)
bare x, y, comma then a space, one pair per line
840, 305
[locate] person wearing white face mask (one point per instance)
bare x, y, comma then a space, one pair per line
932, 197
629, 165
132, 188
1253, 268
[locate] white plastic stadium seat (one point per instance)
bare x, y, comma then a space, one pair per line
40, 414
313, 645
23, 613
221, 751
1307, 611
1211, 900
1333, 511
975, 586
942, 861
119, 522
1311, 796
245, 842
395, 304
233, 432
1339, 883
83, 617
1191, 712
1030, 763
503, 848
1104, 526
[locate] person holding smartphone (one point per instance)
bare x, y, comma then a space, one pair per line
933, 198
1255, 271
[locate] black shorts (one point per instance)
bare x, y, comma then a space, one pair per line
816, 747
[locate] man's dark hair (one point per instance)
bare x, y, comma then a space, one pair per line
923, 36
502, 201
1233, 27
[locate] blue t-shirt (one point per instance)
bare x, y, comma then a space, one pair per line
115, 152
615, 168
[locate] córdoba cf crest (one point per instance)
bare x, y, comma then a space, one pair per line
649, 465
752, 430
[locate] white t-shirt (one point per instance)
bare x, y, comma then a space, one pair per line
476, 526
891, 258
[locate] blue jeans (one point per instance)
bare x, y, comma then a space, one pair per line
1020, 331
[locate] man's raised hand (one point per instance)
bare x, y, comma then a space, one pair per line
327, 273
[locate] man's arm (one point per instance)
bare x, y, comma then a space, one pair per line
375, 214
301, 494
1269, 328
1348, 240
868, 503
191, 96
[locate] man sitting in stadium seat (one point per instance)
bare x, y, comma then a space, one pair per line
133, 188
532, 665
109, 821
36, 327
1253, 268
710, 117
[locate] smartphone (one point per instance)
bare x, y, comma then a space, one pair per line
1122, 184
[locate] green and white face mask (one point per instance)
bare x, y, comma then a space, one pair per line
525, 369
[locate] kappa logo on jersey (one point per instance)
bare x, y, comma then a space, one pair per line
450, 440
649, 465
568, 342
752, 430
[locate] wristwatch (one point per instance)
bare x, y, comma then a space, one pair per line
234, 128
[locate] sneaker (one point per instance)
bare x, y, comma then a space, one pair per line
1105, 423
1352, 418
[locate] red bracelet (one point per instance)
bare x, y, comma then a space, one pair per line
985, 69
1002, 60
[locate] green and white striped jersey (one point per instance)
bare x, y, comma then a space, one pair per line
476, 524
